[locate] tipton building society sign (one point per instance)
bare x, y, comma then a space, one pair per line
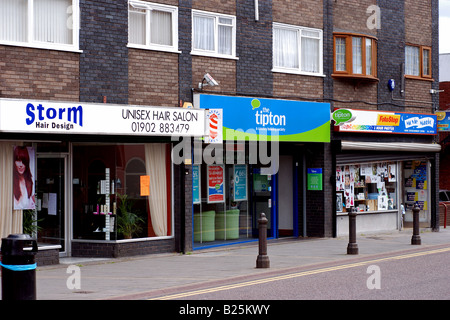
260, 118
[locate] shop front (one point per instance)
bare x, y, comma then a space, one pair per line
99, 180
385, 164
257, 167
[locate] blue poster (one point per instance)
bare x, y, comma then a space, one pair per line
196, 198
240, 182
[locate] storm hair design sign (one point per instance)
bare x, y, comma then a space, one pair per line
88, 118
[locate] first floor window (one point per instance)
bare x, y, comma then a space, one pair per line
418, 61
297, 49
354, 56
213, 34
42, 23
152, 26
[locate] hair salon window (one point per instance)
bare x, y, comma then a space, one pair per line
369, 187
122, 191
50, 24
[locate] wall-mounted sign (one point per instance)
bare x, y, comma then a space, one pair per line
31, 116
196, 191
385, 122
443, 118
315, 179
213, 125
216, 183
246, 118
240, 182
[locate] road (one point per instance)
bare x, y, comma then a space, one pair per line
414, 276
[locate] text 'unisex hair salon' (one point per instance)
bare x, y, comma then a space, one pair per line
100, 180
385, 163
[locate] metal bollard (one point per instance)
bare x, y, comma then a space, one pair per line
415, 240
352, 247
262, 261
18, 267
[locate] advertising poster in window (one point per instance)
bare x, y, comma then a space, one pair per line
240, 183
216, 184
196, 198
23, 178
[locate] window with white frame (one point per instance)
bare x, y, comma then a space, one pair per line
152, 26
297, 49
52, 24
213, 34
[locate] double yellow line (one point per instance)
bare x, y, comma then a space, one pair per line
297, 275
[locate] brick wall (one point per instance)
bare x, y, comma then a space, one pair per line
222, 70
153, 78
300, 13
104, 61
254, 67
38, 74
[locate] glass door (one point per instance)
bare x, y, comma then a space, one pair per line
262, 200
51, 195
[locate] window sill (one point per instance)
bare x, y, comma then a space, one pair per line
419, 78
298, 72
41, 46
213, 55
153, 48
358, 77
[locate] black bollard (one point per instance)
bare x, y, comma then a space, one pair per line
352, 247
262, 261
415, 240
18, 267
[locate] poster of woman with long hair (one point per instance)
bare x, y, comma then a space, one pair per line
23, 178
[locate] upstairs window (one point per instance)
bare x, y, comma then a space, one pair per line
297, 50
51, 24
418, 61
213, 34
152, 26
355, 56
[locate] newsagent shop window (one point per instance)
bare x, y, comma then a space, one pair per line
369, 187
121, 191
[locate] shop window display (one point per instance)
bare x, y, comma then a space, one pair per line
220, 197
121, 191
370, 187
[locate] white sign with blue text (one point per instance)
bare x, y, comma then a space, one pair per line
31, 116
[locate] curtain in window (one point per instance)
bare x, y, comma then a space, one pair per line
155, 163
225, 36
10, 220
203, 33
426, 62
341, 54
357, 54
412, 61
13, 20
51, 21
368, 56
136, 26
160, 27
310, 52
285, 48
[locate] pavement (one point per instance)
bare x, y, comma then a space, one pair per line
160, 275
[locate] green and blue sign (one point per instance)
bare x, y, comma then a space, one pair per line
246, 118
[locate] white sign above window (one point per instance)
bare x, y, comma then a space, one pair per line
31, 116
